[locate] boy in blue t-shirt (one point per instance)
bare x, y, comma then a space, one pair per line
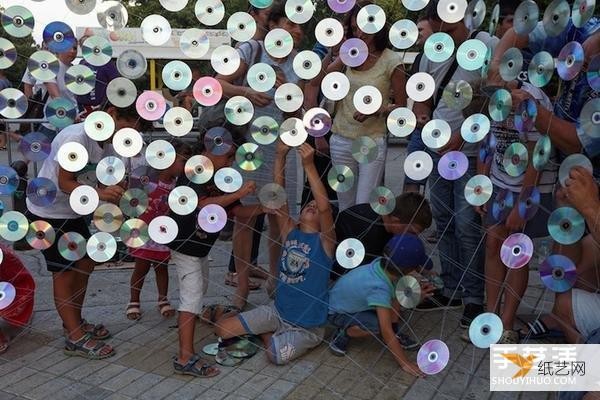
362, 302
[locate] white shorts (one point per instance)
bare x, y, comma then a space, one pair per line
585, 311
192, 273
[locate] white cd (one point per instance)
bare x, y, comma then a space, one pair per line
112, 15
420, 86
452, 11
163, 229
278, 43
292, 132
84, 200
350, 253
99, 126
72, 156
228, 180
110, 171
173, 5
307, 64
403, 34
289, 97
239, 110
178, 121
329, 32
299, 11
177, 75
418, 165
436, 133
127, 142
335, 86
183, 200
156, 30
401, 122
209, 12
261, 77
160, 154
121, 92
241, 26
415, 5
225, 60
367, 100
370, 19
194, 43
101, 247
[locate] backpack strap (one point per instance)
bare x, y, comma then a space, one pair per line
256, 55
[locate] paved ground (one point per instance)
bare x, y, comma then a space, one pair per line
35, 367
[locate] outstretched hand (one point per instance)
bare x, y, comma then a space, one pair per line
307, 154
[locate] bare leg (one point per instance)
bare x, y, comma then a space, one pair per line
186, 324
274, 250
516, 284
563, 312
162, 281
229, 327
137, 279
85, 267
242, 248
588, 274
495, 271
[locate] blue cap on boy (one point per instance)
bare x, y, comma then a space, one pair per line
407, 251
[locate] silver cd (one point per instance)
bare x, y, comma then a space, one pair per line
420, 86
160, 154
401, 122
452, 11
292, 132
418, 165
13, 103
84, 200
457, 94
72, 156
80, 79
8, 53
370, 19
471, 54
81, 7
367, 100
110, 171
183, 200
199, 169
101, 247
225, 60
415, 5
307, 64
329, 32
317, 121
350, 253
574, 160
112, 15
209, 12
278, 43
43, 65
289, 97
556, 17
97, 50
475, 14
526, 17
156, 30
511, 64
127, 142
335, 86
436, 133
261, 77
228, 180
121, 92
173, 5
494, 17
272, 196
403, 34
99, 126
131, 64
239, 110
194, 43
241, 26
177, 75
264, 130
13, 226
299, 11
178, 121
163, 229
475, 128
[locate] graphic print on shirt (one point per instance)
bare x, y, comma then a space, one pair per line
295, 262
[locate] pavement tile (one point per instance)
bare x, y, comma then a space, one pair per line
7, 396
166, 388
25, 385
393, 390
122, 379
49, 360
255, 386
15, 376
104, 374
277, 391
96, 393
233, 380
117, 396
303, 392
52, 386
343, 381
68, 364
89, 368
322, 376
140, 385
301, 370
72, 391
190, 390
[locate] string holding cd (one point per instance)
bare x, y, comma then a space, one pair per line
340, 178
101, 247
433, 357
212, 218
566, 225
163, 229
516, 251
112, 15
177, 75
556, 17
199, 169
13, 103
131, 64
121, 92
72, 246
574, 160
241, 26
478, 190
485, 330
382, 200
8, 53
183, 200
403, 34
40, 191
526, 17
350, 253
72, 156
134, 233
272, 196
108, 218
558, 273
194, 43
329, 32
17, 21
408, 291
228, 180
209, 12
156, 30
207, 91
110, 171
418, 165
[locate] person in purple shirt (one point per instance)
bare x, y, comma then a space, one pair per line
104, 74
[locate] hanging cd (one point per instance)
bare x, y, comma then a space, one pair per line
84, 200
218, 141
58, 37
350, 253
582, 11
272, 196
526, 17
40, 235
340, 178
299, 11
134, 202
101, 247
529, 202
438, 47
370, 19
292, 132
570, 61
511, 64
13, 103
80, 79
382, 200
566, 225
212, 218
13, 226
249, 157
502, 205
457, 94
209, 12
307, 64
317, 122
525, 116
408, 291
72, 246
433, 357
194, 43
225, 60
436, 133
475, 128
418, 165
485, 330
178, 121
278, 43
329, 31
72, 156
108, 218
541, 69
156, 30
151, 105
571, 161
261, 77
160, 154
40, 191
8, 53
500, 105
471, 54
9, 180
145, 178
478, 190
183, 200
173, 5
163, 229
542, 152
354, 52
43, 65
556, 17
403, 34
261, 4
110, 171
81, 7
452, 11
241, 26
415, 5
588, 125
341, 6
8, 293
17, 21
131, 64
367, 100
207, 91
121, 92
475, 14
60, 112
558, 273
516, 251
199, 169
335, 86
239, 110
420, 87
177, 75
127, 142
453, 165
112, 15
96, 50
228, 180
364, 149
134, 233
211, 349
401, 122
289, 97
515, 159
264, 130
494, 18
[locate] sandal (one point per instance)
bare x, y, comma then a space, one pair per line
97, 332
214, 312
133, 313
231, 279
539, 330
165, 309
80, 348
4, 341
190, 368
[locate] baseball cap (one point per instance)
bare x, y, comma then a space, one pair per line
407, 251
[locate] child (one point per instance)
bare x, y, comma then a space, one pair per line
362, 302
152, 253
293, 324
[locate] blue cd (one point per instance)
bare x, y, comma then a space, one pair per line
541, 69
558, 273
566, 225
529, 202
503, 204
60, 112
59, 37
9, 180
525, 116
485, 330
475, 127
570, 61
35, 146
439, 47
500, 105
218, 141
593, 73
41, 192
471, 54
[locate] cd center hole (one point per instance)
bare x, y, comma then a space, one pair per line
178, 121
44, 65
127, 142
341, 178
558, 273
11, 103
436, 133
72, 156
420, 87
72, 246
228, 179
516, 250
485, 329
368, 100
299, 9
353, 52
335, 86
13, 226
329, 32
279, 43
39, 235
242, 27
209, 10
121, 92
349, 253
218, 141
371, 18
433, 357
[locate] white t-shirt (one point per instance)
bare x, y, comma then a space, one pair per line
61, 209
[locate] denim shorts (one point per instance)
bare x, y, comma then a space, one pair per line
366, 320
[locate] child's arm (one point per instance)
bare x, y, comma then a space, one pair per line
250, 211
229, 198
67, 182
285, 222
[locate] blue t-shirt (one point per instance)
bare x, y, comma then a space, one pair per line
304, 268
363, 288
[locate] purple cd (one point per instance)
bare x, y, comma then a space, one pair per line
35, 146
558, 273
516, 250
529, 202
212, 218
570, 61
317, 122
433, 357
503, 204
341, 6
453, 165
525, 116
41, 192
354, 52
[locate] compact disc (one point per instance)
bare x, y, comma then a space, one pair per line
403, 34
261, 77
570, 61
58, 37
13, 103
127, 142
199, 169
151, 105
239, 110
335, 86
72, 156
134, 202
209, 12
80, 79
131, 64
173, 5
588, 124
144, 177
60, 112
108, 218
249, 157
134, 233
457, 94
541, 69
436, 133
112, 15
571, 161
261, 3
278, 43
17, 21
317, 122
453, 165
367, 100
515, 159
307, 64
160, 154
81, 7
163, 229
433, 357
354, 52
364, 149
420, 87
340, 178
211, 349
516, 251
556, 17
121, 92
292, 132
542, 152
471, 54
156, 30
110, 171
43, 65
502, 205
218, 141
408, 291
558, 273
241, 26
40, 191
525, 116
500, 105
566, 225
194, 43
228, 180
207, 91
401, 122
272, 196
511, 64
101, 247
289, 97
8, 53
96, 50
415, 5
212, 218
329, 31
13, 226
382, 200
40, 235
72, 246
35, 146
475, 128
438, 47
494, 18
178, 121
529, 202
485, 330
264, 130
225, 60
475, 14
418, 165
243, 348
478, 190
84, 200
177, 75
299, 11
452, 11
370, 19
8, 293
183, 200
582, 11
526, 17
